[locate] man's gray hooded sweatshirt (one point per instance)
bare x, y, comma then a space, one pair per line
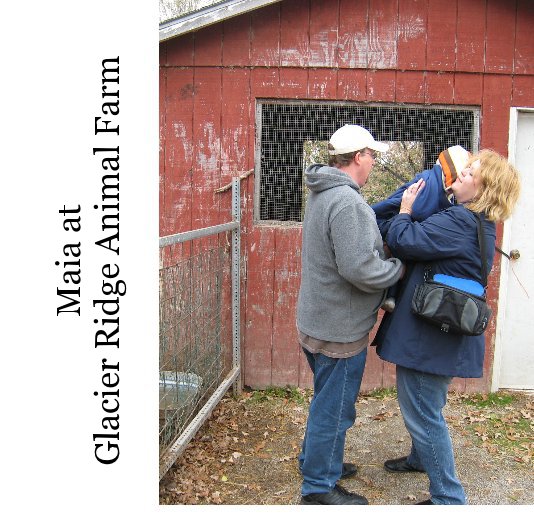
345, 273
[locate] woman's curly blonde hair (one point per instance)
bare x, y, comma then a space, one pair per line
499, 186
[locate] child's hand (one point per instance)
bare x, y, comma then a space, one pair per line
409, 196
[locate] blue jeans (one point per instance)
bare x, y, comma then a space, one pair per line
336, 384
422, 397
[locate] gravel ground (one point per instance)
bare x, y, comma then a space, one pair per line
246, 454
487, 479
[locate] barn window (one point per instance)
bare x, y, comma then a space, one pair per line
290, 135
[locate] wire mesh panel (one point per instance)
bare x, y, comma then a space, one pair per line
285, 128
199, 351
195, 329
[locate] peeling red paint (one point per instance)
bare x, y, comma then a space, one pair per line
413, 51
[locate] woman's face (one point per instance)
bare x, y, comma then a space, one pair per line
466, 185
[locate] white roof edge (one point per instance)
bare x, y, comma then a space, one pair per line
208, 16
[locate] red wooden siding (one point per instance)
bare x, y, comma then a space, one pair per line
439, 88
381, 85
410, 86
458, 52
265, 37
524, 38
353, 34
501, 22
441, 35
412, 34
471, 37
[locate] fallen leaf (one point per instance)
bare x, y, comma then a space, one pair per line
382, 416
367, 481
260, 445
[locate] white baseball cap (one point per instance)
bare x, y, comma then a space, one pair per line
351, 138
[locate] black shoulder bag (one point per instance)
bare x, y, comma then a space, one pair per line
452, 309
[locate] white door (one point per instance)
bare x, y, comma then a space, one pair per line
514, 345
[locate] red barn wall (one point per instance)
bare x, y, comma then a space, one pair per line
457, 52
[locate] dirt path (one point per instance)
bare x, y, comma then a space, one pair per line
246, 453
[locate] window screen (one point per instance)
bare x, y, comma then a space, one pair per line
289, 132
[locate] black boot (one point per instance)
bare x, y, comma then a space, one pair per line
337, 496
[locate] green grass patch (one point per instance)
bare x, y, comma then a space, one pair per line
483, 401
293, 394
382, 393
503, 423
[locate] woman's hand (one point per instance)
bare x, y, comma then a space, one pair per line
409, 196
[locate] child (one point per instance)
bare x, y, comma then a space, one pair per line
434, 197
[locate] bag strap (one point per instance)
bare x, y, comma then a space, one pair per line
482, 245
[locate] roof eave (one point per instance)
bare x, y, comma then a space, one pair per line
208, 16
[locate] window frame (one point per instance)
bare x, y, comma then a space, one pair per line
262, 102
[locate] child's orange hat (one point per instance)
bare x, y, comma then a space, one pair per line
452, 161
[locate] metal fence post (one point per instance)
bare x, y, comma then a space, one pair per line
236, 283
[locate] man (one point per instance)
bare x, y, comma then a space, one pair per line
345, 275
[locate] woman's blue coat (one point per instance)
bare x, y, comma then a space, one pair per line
449, 240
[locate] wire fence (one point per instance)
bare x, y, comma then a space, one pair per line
199, 329
288, 131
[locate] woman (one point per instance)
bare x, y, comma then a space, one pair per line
427, 359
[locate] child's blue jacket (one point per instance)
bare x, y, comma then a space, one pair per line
430, 200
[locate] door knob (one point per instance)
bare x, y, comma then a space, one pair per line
514, 254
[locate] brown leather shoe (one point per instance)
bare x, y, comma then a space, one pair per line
401, 466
